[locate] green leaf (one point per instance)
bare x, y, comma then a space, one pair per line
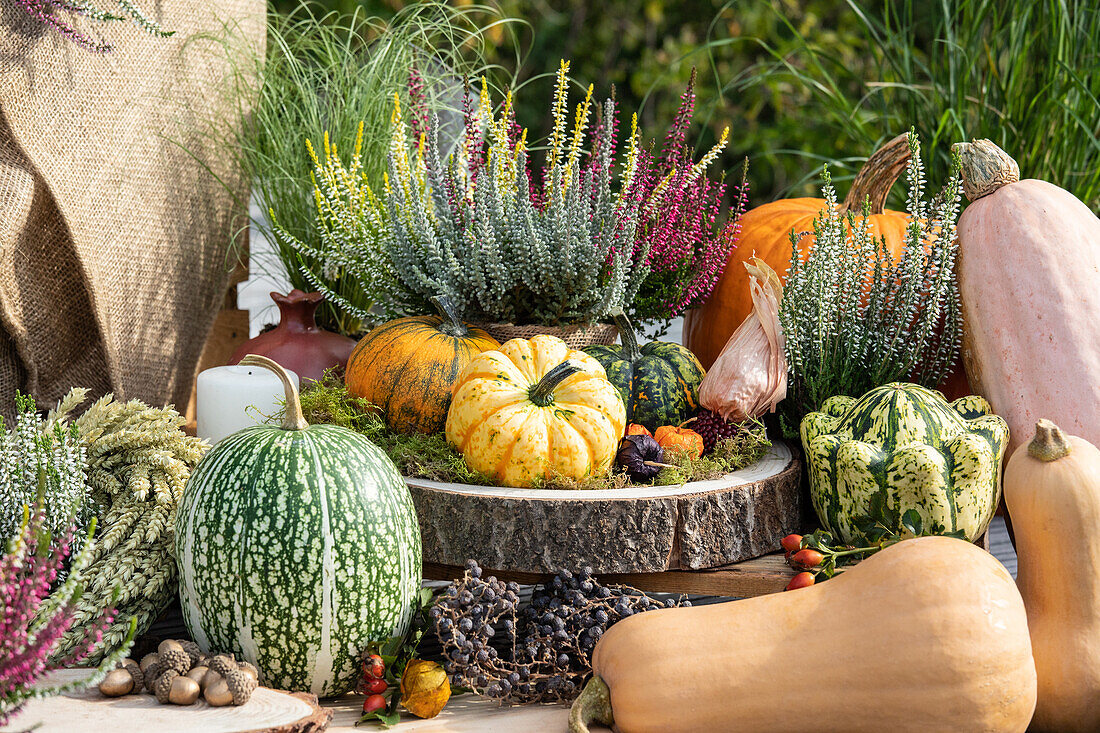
912, 521
381, 718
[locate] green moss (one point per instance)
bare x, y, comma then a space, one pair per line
431, 457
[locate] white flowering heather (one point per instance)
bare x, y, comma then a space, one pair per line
34, 453
856, 317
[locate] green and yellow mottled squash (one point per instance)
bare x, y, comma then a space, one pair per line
906, 446
407, 367
534, 408
659, 382
298, 545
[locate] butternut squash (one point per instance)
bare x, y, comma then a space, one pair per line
1029, 279
1052, 488
930, 634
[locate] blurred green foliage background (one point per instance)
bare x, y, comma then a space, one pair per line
805, 82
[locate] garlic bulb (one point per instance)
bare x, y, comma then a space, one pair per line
749, 377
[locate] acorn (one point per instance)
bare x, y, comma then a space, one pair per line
250, 669
147, 660
117, 683
152, 673
197, 673
218, 694
176, 659
241, 685
183, 691
169, 644
193, 650
210, 678
136, 674
163, 685
222, 663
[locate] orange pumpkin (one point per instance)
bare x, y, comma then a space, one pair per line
407, 367
672, 438
636, 429
765, 233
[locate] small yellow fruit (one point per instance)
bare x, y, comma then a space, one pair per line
424, 688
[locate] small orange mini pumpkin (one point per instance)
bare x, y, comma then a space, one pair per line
636, 429
682, 440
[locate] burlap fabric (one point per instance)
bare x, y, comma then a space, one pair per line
114, 236
576, 336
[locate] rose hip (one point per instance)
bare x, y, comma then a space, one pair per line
791, 543
806, 559
802, 580
374, 702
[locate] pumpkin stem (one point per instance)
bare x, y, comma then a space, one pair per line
985, 168
293, 419
631, 352
878, 175
542, 394
1049, 443
592, 706
451, 325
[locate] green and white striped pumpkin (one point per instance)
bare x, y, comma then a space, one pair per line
659, 382
907, 445
297, 545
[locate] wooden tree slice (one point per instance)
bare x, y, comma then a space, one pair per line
702, 524
268, 711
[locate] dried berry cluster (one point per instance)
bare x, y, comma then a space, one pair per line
547, 645
179, 672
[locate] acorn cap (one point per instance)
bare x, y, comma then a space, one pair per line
222, 663
176, 659
240, 685
135, 672
193, 649
152, 672
163, 685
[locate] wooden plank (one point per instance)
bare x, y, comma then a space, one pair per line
463, 714
268, 711
757, 577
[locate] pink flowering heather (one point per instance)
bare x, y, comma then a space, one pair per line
36, 614
687, 239
63, 15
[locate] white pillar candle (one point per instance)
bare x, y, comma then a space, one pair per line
230, 398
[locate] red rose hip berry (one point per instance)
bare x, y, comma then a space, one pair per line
802, 580
374, 702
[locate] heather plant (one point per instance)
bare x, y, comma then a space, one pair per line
55, 452
65, 17
855, 316
37, 611
338, 73
479, 228
682, 226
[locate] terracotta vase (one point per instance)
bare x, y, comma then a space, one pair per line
297, 343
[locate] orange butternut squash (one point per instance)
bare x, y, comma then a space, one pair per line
1052, 488
1029, 277
930, 634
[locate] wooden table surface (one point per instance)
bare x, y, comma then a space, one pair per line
463, 714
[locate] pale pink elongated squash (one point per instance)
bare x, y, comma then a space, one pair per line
1029, 277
